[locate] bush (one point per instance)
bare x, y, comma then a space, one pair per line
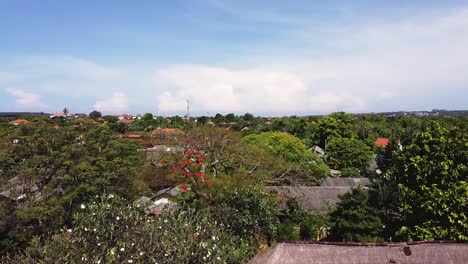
287, 232
111, 231
350, 173
247, 212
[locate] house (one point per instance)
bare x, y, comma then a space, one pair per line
19, 122
382, 142
317, 198
81, 115
318, 151
124, 117
422, 252
58, 115
125, 121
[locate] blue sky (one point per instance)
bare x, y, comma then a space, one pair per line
263, 57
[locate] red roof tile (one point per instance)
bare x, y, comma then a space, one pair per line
382, 142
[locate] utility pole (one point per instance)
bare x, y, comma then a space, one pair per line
188, 110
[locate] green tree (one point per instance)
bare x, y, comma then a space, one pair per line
147, 117
354, 220
348, 153
231, 117
339, 124
202, 120
247, 211
432, 176
292, 150
65, 111
248, 117
95, 115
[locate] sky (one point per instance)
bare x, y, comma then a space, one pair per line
295, 57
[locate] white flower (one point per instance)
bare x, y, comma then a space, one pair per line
82, 206
112, 251
118, 218
85, 229
130, 261
142, 253
94, 229
69, 230
166, 255
99, 261
111, 196
218, 258
122, 249
213, 237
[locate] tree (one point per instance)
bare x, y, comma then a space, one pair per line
432, 178
248, 117
218, 118
339, 124
354, 220
231, 117
147, 117
348, 153
202, 120
247, 211
292, 150
65, 111
95, 115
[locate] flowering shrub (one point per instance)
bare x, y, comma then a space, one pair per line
111, 231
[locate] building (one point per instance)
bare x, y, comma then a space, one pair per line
317, 198
424, 252
19, 122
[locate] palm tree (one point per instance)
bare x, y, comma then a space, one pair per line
65, 111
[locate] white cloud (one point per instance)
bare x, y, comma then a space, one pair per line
411, 63
117, 103
258, 90
27, 100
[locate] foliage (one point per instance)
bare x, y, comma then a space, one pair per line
287, 232
95, 115
350, 173
55, 169
354, 219
432, 176
111, 231
247, 212
292, 150
348, 153
339, 124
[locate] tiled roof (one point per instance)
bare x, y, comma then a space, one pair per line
19, 121
382, 142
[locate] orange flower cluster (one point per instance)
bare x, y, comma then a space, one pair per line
190, 170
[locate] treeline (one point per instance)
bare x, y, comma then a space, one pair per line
68, 186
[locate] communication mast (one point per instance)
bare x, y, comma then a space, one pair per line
188, 110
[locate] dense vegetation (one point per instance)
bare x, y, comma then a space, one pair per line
68, 186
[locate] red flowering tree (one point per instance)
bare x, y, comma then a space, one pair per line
191, 172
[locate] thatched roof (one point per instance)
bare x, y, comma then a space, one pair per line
310, 198
345, 182
321, 253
